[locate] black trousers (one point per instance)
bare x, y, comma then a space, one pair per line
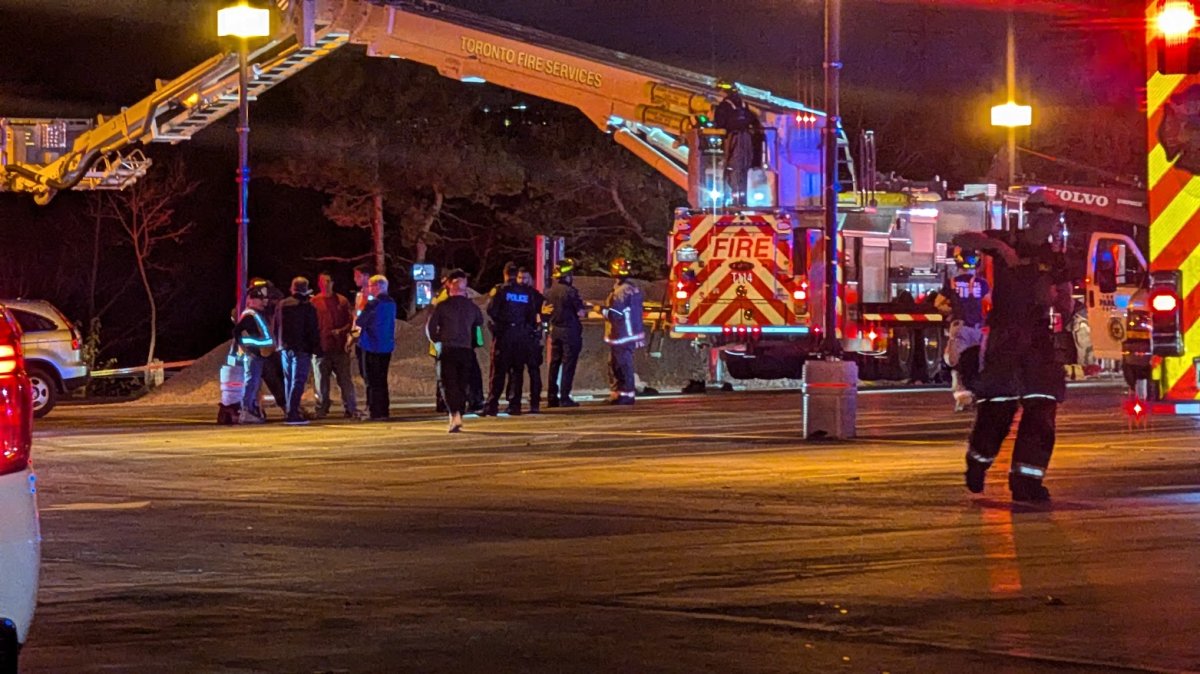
968, 367
273, 378
475, 396
455, 364
510, 353
533, 365
564, 356
620, 370
375, 370
1035, 434
1019, 370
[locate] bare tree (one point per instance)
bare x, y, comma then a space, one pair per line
145, 213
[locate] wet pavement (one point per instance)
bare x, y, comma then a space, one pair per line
696, 534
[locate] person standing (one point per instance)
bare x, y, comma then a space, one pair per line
624, 331
1019, 366
743, 140
253, 337
455, 328
513, 317
533, 364
299, 340
566, 310
335, 318
362, 276
377, 341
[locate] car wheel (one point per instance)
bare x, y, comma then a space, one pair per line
10, 648
45, 391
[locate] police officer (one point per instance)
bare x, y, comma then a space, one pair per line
1019, 366
624, 331
513, 319
536, 355
565, 309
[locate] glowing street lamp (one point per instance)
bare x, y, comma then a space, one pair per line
1012, 115
243, 22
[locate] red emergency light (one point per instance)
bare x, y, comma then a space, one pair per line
1164, 301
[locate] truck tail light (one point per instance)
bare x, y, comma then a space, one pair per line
1166, 320
800, 297
16, 404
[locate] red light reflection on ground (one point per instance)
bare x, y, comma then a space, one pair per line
1000, 551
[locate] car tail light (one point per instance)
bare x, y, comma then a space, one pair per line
16, 406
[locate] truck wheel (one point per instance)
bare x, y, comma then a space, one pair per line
45, 391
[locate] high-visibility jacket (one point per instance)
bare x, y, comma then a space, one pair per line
623, 313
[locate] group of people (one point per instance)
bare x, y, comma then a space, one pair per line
518, 315
285, 339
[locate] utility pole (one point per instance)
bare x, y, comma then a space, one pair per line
831, 384
833, 67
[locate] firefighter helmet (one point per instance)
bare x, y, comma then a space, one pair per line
726, 85
619, 267
564, 267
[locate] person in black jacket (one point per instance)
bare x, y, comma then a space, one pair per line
455, 328
565, 308
299, 340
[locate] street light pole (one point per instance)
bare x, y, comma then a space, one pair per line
833, 67
1010, 76
243, 175
243, 22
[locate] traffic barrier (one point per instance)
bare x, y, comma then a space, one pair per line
830, 399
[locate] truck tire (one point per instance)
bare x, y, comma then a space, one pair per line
45, 390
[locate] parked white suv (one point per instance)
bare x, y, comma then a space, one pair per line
53, 355
20, 537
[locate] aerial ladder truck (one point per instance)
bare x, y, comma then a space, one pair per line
662, 114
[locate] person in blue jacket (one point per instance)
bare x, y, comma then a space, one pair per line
377, 341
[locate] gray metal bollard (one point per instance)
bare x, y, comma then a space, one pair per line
830, 399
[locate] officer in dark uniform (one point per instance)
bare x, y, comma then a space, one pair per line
1019, 365
513, 319
536, 352
565, 308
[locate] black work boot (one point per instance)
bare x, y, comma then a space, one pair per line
1027, 489
976, 471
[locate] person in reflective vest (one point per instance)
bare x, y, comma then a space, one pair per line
1019, 365
624, 331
